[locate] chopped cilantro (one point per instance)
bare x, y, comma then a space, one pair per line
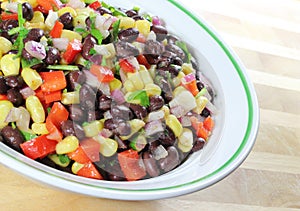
139, 97
115, 27
93, 51
28, 136
63, 159
63, 67
97, 34
29, 63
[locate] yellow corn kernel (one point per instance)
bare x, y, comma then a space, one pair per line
64, 10
4, 4
39, 25
93, 128
76, 167
178, 90
152, 71
1, 54
108, 146
57, 161
152, 89
38, 17
33, 3
70, 35
5, 107
68, 144
135, 78
10, 64
79, 21
166, 110
143, 26
85, 11
129, 86
39, 128
127, 22
69, 98
136, 125
187, 68
5, 45
177, 79
115, 84
174, 125
35, 108
31, 78
185, 140
145, 76
201, 102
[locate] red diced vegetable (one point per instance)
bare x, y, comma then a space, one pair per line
54, 132
52, 96
130, 165
208, 123
50, 4
190, 83
56, 30
79, 156
38, 147
53, 81
91, 149
9, 16
126, 66
89, 171
3, 97
104, 74
201, 131
143, 61
58, 114
95, 5
73, 49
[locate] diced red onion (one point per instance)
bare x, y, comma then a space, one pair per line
134, 62
104, 87
153, 127
36, 49
118, 96
26, 92
123, 76
21, 116
60, 43
76, 4
106, 133
12, 7
188, 78
178, 111
160, 152
91, 79
156, 20
185, 121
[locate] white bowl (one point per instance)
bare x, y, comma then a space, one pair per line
232, 139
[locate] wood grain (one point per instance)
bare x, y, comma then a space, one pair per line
265, 34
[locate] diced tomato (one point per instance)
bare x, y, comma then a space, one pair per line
53, 81
130, 165
9, 16
50, 4
89, 171
3, 97
91, 149
38, 147
73, 49
95, 5
56, 30
52, 96
104, 74
143, 61
79, 156
126, 66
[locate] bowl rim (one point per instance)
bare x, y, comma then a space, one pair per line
230, 165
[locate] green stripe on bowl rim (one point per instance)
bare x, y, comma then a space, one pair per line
225, 165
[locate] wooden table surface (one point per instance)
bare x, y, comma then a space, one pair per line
266, 36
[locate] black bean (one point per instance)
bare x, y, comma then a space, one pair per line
7, 25
200, 85
156, 103
153, 144
34, 34
121, 112
14, 96
87, 97
104, 10
150, 164
138, 17
70, 128
128, 35
26, 55
167, 138
172, 39
104, 102
67, 20
198, 145
139, 111
87, 45
205, 112
123, 128
14, 81
12, 137
177, 50
3, 86
53, 56
171, 161
153, 47
151, 58
76, 113
125, 49
75, 78
110, 124
131, 13
27, 11
160, 31
94, 115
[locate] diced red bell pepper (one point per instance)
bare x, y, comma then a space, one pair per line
54, 132
58, 114
91, 149
53, 81
199, 128
9, 16
95, 5
40, 9
52, 96
73, 49
89, 171
126, 66
38, 147
56, 30
130, 165
190, 83
79, 156
104, 74
208, 123
50, 4
143, 61
3, 97
141, 38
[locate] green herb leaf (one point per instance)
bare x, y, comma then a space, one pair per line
115, 27
183, 46
63, 67
48, 110
28, 136
139, 97
13, 125
93, 51
82, 31
14, 31
63, 159
29, 63
97, 34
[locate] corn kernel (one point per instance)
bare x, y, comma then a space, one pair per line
201, 102
184, 148
186, 137
84, 11
57, 161
10, 64
68, 144
135, 78
177, 79
39, 25
35, 108
187, 68
178, 90
108, 146
166, 110
143, 26
5, 107
79, 21
129, 86
115, 84
152, 89
33, 3
39, 128
69, 98
93, 128
5, 45
145, 76
174, 125
31, 78
127, 22
70, 35
38, 17
80, 60
76, 167
64, 10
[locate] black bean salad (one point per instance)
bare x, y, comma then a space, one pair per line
99, 91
